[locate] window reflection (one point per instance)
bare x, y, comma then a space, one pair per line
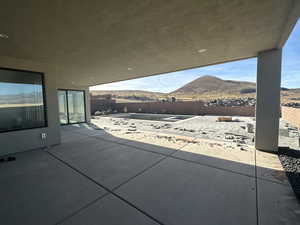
21, 100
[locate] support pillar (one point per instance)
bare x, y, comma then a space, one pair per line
268, 86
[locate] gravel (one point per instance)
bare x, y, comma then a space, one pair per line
232, 102
290, 160
292, 104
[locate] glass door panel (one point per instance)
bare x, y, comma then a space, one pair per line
62, 106
76, 106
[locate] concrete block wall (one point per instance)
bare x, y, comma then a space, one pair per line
229, 110
192, 107
162, 107
291, 115
101, 104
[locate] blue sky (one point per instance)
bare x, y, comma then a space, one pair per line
13, 88
244, 70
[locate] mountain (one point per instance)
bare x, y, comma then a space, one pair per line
203, 85
213, 85
126, 93
27, 98
131, 95
203, 88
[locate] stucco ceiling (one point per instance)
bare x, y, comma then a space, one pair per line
99, 41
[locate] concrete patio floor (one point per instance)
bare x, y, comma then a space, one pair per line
96, 178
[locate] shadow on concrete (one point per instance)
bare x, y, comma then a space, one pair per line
114, 180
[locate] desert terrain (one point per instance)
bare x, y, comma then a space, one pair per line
205, 88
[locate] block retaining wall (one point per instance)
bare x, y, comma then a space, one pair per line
190, 108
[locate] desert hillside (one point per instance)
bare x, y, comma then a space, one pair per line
127, 92
214, 85
131, 95
203, 88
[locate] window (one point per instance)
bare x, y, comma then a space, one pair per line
22, 104
71, 106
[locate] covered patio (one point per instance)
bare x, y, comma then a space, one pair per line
96, 178
51, 52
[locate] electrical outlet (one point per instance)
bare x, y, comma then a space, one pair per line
43, 136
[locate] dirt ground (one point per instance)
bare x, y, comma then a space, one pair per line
231, 135
226, 145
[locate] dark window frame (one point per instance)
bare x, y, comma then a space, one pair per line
67, 102
44, 100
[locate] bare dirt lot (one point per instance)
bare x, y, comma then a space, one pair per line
201, 139
230, 135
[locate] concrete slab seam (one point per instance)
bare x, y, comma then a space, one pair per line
107, 189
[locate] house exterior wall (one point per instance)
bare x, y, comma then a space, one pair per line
23, 140
87, 104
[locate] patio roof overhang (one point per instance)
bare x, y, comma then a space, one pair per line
95, 42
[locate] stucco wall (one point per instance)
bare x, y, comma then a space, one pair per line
17, 141
88, 104
23, 140
193, 107
291, 115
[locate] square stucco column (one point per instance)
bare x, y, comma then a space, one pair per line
268, 100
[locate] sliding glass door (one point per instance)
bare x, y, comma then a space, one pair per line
71, 106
